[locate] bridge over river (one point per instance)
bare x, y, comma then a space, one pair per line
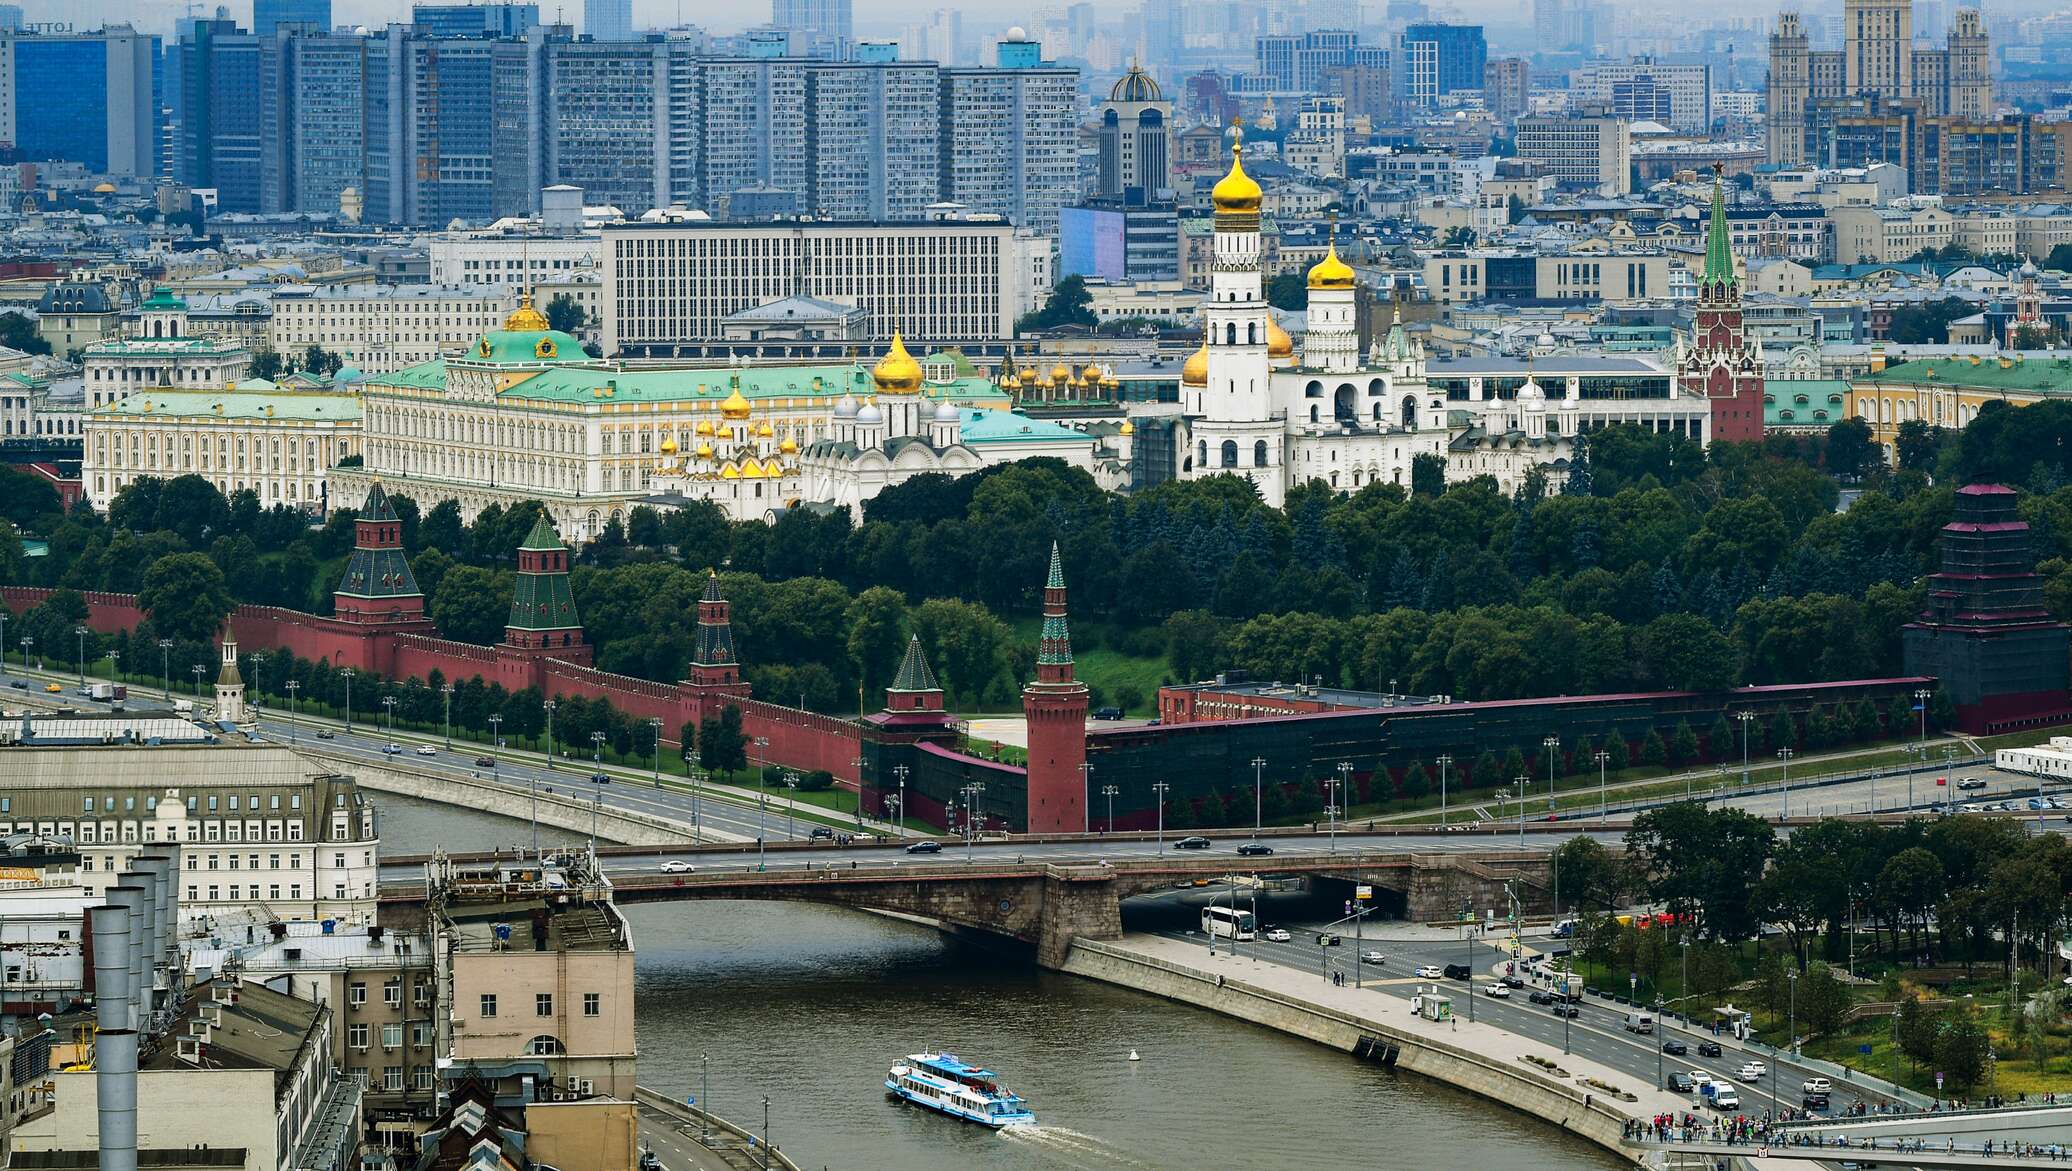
1047, 904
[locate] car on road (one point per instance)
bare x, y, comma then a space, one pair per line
1540, 996
1512, 982
485, 762
1675, 1048
1370, 956
1708, 1049
392, 750
822, 833
427, 750
925, 848
1700, 1078
1817, 1085
18, 684
1561, 1008
54, 689
1677, 1083
1814, 1102
1971, 785
1277, 935
1459, 972
1968, 808
677, 866
2037, 803
326, 734
1497, 991
1427, 972
1752, 1071
1250, 849
1107, 713
1194, 843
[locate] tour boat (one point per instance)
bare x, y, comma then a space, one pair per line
941, 1082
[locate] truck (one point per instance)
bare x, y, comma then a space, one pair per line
107, 691
1721, 1096
184, 707
1640, 1022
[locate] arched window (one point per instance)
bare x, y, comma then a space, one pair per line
1313, 412
1343, 405
1230, 453
1377, 386
1201, 453
1230, 334
1251, 333
544, 1045
1315, 389
1377, 412
1259, 454
1410, 412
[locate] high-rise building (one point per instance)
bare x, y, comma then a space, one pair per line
827, 18
871, 140
1679, 96
1817, 98
1010, 137
1506, 86
470, 118
608, 20
1296, 63
475, 20
217, 145
270, 14
1433, 60
615, 113
313, 100
88, 98
1136, 138
752, 118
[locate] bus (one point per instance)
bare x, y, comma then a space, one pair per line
1228, 922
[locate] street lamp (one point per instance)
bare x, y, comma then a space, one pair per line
1258, 793
1339, 797
655, 727
971, 793
1601, 757
165, 670
762, 767
348, 674
196, 670
389, 702
292, 687
549, 705
791, 802
1520, 781
1785, 755
1658, 1048
258, 677
496, 740
1445, 759
1745, 716
1551, 744
1108, 791
899, 773
1086, 783
447, 691
81, 632
1158, 792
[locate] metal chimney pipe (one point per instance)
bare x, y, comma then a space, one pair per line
134, 896
115, 1048
156, 867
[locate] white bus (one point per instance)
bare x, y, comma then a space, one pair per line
1228, 922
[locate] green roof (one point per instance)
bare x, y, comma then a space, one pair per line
424, 376
527, 347
914, 674
983, 427
1719, 252
163, 299
715, 383
151, 346
542, 601
307, 406
542, 538
1804, 402
2037, 375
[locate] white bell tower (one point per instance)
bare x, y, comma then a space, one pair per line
230, 686
1237, 433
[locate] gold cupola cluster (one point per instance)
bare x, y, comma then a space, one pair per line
736, 447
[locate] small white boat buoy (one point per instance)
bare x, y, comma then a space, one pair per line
1133, 1056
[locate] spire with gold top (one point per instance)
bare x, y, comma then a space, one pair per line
1237, 196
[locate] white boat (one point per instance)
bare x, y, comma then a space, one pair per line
941, 1082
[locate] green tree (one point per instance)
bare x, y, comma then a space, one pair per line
186, 597
1594, 878
722, 748
1916, 444
1193, 643
1652, 751
1618, 753
1961, 1047
17, 332
1416, 782
470, 605
1288, 291
565, 314
1067, 305
1427, 474
877, 635
1704, 863
1918, 1029
265, 364
1850, 449
1683, 747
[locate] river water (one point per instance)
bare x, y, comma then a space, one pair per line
807, 1006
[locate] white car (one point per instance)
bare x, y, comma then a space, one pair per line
1752, 1071
1429, 972
1277, 935
677, 866
1817, 1085
427, 750
1497, 990
1370, 956
392, 750
1700, 1078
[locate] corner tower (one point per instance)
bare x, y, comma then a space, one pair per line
1055, 706
543, 609
1721, 365
713, 663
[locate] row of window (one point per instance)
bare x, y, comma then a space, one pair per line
543, 1004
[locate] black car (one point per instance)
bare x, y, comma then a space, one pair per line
1513, 982
925, 848
1540, 996
485, 762
1677, 1084
1107, 713
1814, 1101
326, 734
1708, 1048
1458, 972
1194, 843
1675, 1048
822, 833
18, 685
1567, 1010
1251, 848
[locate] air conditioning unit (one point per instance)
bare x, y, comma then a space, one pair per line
588, 1088
575, 1083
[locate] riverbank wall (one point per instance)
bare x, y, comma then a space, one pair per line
726, 1138
1570, 1092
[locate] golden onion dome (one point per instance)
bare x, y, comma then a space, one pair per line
1236, 191
1331, 272
1060, 374
765, 430
788, 446
669, 445
704, 427
1028, 375
735, 406
897, 372
1090, 374
1128, 428
705, 451
1278, 344
525, 318
1196, 371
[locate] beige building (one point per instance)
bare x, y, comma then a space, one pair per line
277, 443
162, 353
383, 328
541, 966
1882, 235
263, 833
249, 1071
1586, 153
